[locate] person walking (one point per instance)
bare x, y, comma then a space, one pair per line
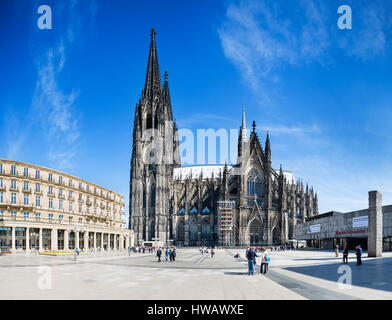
345, 255
337, 251
212, 253
251, 256
159, 253
166, 254
174, 254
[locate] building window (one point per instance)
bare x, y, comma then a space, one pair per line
1, 215
26, 200
80, 220
61, 218
13, 215
60, 180
70, 195
80, 186
37, 187
25, 186
13, 197
70, 182
1, 197
26, 215
13, 184
70, 206
38, 201
37, 174
13, 170
80, 208
50, 217
51, 190
26, 172
37, 216
50, 203
1, 168
50, 177
70, 219
60, 204
1, 183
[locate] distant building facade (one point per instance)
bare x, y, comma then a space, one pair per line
180, 204
44, 209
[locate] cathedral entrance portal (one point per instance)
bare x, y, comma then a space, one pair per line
255, 232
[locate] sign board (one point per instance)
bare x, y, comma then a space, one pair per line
360, 222
314, 228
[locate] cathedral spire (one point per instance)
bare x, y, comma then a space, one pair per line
152, 86
166, 96
268, 148
243, 127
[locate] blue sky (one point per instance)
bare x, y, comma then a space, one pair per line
67, 95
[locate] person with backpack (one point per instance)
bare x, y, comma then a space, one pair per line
267, 260
159, 253
251, 256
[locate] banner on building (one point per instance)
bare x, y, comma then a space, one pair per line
360, 222
314, 228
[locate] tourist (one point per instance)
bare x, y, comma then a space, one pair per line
171, 254
262, 264
345, 255
212, 253
358, 252
167, 254
267, 260
159, 253
251, 256
337, 251
174, 254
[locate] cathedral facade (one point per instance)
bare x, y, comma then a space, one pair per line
179, 205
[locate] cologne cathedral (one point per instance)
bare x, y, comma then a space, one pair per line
179, 205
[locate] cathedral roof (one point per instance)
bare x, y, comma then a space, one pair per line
183, 173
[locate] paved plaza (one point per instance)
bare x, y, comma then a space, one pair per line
292, 275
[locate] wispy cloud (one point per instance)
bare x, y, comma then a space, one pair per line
260, 37
53, 109
291, 130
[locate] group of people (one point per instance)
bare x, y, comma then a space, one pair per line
251, 255
170, 254
358, 253
204, 250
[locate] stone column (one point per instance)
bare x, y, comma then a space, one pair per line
13, 239
95, 241
40, 239
126, 242
77, 239
102, 247
86, 234
27, 239
66, 239
53, 234
375, 224
121, 240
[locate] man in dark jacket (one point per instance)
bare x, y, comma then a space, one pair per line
159, 253
251, 256
345, 255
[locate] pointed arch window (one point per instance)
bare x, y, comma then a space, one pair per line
194, 210
254, 187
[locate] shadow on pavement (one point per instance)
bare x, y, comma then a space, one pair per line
373, 274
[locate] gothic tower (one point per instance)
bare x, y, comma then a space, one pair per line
155, 153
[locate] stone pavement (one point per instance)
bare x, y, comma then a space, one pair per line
293, 275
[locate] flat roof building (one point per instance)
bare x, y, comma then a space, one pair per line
351, 228
44, 209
